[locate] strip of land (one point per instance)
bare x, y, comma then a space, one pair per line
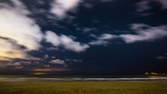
81, 79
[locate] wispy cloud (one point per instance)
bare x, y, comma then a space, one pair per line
103, 39
65, 41
143, 33
162, 57
144, 7
15, 25
163, 3
61, 7
19, 27
58, 62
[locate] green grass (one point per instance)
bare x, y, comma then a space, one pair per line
84, 87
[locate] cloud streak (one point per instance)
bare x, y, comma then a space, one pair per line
61, 7
149, 34
143, 33
103, 39
65, 41
144, 7
163, 3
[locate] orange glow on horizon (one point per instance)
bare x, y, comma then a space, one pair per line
49, 70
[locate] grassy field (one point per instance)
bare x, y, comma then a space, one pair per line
84, 87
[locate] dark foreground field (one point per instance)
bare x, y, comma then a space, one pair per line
83, 87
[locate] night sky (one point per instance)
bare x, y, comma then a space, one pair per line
83, 36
